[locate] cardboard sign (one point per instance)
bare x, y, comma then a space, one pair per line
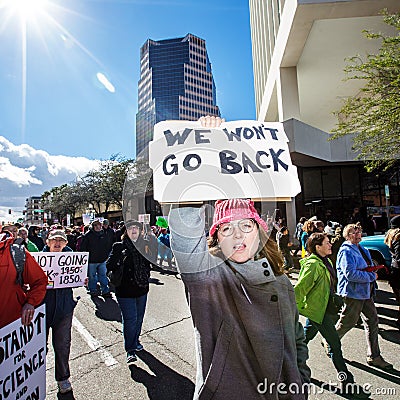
240, 159
63, 269
23, 359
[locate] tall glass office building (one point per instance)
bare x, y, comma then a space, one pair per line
176, 83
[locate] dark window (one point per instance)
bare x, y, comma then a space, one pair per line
312, 183
350, 182
331, 182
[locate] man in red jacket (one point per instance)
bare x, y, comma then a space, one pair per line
15, 300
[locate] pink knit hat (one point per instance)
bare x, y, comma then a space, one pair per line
234, 209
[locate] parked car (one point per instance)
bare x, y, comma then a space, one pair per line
381, 223
379, 252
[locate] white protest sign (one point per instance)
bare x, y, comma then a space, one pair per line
144, 218
23, 359
63, 269
239, 159
86, 218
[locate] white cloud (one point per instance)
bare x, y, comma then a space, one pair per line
20, 176
25, 172
6, 217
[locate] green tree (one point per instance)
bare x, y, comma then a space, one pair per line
62, 200
373, 116
91, 190
138, 182
113, 173
101, 187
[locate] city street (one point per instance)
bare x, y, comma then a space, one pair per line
165, 370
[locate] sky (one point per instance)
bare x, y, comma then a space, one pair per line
69, 72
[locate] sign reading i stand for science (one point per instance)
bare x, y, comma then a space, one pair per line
63, 269
23, 359
239, 159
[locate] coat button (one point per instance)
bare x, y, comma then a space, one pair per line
264, 264
267, 273
274, 297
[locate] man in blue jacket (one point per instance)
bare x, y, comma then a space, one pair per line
357, 285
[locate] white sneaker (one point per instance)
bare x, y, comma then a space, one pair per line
64, 386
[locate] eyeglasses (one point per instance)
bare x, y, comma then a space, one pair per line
245, 225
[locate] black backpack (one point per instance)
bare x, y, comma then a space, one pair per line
18, 255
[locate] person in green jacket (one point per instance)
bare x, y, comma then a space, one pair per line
314, 292
29, 245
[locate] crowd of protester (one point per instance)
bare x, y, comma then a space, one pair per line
333, 264
106, 246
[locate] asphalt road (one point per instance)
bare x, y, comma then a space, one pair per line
166, 368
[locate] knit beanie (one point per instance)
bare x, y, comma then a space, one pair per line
395, 222
235, 209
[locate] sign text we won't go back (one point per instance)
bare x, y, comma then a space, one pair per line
239, 159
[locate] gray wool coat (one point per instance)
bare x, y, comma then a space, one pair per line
247, 330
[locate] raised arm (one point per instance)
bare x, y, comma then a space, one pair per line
188, 239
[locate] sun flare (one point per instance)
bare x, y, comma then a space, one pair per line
36, 21
25, 8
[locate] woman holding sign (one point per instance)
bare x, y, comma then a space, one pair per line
248, 335
249, 341
60, 306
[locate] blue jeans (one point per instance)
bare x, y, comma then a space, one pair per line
132, 311
328, 331
97, 273
165, 253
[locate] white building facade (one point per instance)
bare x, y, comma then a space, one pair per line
299, 54
34, 214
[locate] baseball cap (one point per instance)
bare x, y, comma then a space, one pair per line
57, 233
133, 222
